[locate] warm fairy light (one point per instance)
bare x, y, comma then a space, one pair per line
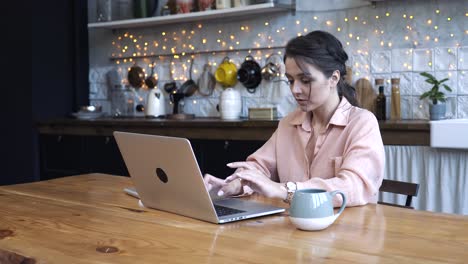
436, 39
200, 25
390, 44
218, 40
242, 28
451, 35
237, 42
429, 22
204, 41
315, 17
466, 14
163, 33
299, 34
387, 14
357, 37
406, 37
376, 17
220, 31
415, 43
404, 15
437, 11
232, 37
346, 19
329, 23
436, 27
411, 17
382, 43
298, 22
428, 37
356, 18
305, 30
266, 23
449, 18
164, 47
350, 35
134, 40
338, 29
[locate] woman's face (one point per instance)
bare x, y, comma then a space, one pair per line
311, 88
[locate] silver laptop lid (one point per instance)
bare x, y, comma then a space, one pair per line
162, 169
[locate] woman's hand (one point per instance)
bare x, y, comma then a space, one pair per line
221, 187
256, 180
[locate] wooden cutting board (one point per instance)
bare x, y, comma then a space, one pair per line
365, 94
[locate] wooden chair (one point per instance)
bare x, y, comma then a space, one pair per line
398, 187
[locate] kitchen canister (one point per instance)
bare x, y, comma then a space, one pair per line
230, 105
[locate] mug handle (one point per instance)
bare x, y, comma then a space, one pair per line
343, 205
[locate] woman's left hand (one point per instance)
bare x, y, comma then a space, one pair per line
256, 180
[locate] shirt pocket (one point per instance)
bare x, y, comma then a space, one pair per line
336, 163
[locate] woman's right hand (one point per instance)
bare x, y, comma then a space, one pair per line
222, 188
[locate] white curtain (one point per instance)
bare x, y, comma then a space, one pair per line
441, 174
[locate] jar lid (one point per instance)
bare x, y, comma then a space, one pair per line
395, 80
379, 81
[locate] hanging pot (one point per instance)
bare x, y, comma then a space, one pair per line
250, 74
136, 76
206, 82
171, 86
151, 81
189, 87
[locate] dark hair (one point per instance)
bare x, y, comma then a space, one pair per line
324, 51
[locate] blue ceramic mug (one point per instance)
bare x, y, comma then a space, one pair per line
312, 209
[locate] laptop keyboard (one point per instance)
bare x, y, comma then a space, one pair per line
222, 210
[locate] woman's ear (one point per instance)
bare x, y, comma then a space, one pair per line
335, 78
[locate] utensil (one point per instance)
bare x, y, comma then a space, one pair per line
189, 87
271, 70
136, 76
151, 81
250, 74
206, 82
171, 86
226, 73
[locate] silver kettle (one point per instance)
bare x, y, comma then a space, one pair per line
156, 104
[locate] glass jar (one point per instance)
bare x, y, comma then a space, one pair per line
395, 111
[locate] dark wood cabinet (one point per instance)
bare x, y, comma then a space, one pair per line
73, 154
70, 155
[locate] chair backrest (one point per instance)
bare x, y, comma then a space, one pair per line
398, 187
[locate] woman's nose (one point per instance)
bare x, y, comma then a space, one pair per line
295, 88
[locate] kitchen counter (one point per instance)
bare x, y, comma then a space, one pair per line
405, 132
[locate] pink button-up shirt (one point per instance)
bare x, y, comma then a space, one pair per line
348, 154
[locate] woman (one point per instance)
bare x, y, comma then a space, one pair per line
327, 143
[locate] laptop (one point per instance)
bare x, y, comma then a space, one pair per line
167, 177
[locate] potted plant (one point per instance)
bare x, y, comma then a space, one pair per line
437, 108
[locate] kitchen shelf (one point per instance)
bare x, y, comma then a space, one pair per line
235, 12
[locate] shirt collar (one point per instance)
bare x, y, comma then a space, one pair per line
339, 118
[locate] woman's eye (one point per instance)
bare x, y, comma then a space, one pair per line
305, 81
290, 81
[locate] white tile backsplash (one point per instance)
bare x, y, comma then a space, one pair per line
463, 58
420, 108
402, 60
423, 60
462, 106
451, 107
451, 82
463, 82
445, 58
419, 83
381, 61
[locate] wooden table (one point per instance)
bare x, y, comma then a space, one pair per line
89, 219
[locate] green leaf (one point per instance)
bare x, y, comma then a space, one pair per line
428, 75
443, 80
447, 87
430, 81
